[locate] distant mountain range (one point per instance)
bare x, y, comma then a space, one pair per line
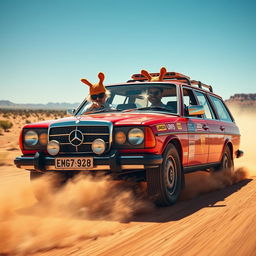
243, 100
50, 105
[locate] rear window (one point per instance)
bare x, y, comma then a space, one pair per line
221, 109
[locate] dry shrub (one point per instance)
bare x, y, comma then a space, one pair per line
6, 124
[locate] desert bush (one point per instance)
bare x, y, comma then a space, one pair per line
5, 116
27, 121
5, 124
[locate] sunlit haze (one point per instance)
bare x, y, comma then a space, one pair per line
47, 46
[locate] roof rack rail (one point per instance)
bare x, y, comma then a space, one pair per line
167, 76
171, 76
201, 85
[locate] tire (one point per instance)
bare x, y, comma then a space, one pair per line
164, 183
227, 163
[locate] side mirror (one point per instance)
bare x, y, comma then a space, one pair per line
195, 110
71, 112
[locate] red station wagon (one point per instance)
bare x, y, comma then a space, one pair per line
152, 131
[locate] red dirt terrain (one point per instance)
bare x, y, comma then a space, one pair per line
214, 216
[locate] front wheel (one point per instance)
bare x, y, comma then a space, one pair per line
164, 183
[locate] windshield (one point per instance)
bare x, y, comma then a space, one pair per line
136, 97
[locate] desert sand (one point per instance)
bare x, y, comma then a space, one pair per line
214, 216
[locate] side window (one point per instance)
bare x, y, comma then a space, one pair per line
221, 109
207, 107
188, 99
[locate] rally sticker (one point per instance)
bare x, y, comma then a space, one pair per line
179, 126
170, 126
199, 127
161, 127
191, 127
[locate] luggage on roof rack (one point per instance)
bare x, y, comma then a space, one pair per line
171, 76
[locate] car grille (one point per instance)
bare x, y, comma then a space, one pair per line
90, 133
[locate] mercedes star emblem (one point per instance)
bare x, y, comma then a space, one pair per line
76, 138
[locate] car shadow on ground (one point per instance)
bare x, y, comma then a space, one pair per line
185, 208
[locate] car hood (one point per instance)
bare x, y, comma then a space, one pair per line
118, 119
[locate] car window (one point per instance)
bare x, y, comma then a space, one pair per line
209, 114
221, 109
153, 97
188, 100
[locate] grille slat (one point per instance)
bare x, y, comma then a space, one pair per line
90, 133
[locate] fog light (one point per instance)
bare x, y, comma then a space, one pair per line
98, 146
53, 147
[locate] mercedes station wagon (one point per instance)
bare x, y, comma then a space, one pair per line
153, 132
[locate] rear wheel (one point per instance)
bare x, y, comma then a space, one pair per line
164, 183
227, 163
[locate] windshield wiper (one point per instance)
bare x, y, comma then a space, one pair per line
101, 110
147, 108
151, 107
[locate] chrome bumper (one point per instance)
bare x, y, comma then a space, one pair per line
113, 162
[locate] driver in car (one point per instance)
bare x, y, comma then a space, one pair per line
155, 97
97, 95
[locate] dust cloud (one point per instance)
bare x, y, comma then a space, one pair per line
83, 208
88, 208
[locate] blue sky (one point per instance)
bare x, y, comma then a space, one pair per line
46, 46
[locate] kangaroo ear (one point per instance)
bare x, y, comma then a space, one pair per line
146, 74
101, 76
162, 73
85, 81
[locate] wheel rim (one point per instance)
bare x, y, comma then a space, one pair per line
171, 175
226, 164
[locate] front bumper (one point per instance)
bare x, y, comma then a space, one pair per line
112, 162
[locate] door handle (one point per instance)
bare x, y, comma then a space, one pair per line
205, 127
222, 128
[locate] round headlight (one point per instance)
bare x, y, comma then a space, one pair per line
120, 137
53, 147
136, 136
43, 138
98, 146
31, 138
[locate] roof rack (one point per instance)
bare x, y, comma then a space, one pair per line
171, 76
201, 85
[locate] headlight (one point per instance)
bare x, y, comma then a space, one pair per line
98, 146
136, 136
31, 138
120, 137
43, 138
53, 147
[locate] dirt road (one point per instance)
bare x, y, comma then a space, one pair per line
212, 217
222, 222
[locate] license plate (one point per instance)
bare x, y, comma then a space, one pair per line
74, 163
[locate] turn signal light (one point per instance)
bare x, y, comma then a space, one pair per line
150, 140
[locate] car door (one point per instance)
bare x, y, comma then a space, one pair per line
225, 125
197, 132
215, 139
